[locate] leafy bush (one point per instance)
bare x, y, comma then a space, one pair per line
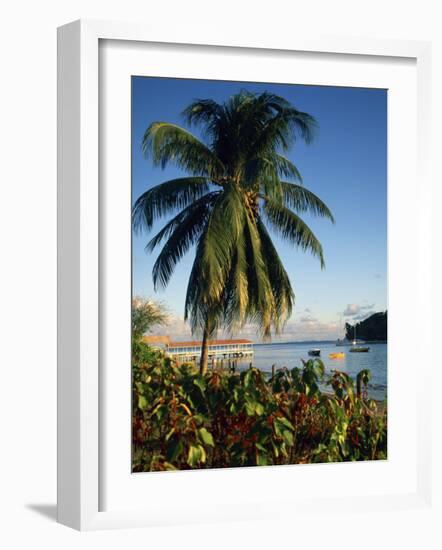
184, 420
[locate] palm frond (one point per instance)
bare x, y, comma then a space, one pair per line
166, 198
207, 113
167, 142
223, 228
286, 168
281, 130
263, 174
278, 277
260, 174
302, 200
235, 299
261, 303
292, 228
181, 232
195, 308
199, 306
214, 258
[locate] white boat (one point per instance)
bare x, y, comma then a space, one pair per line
315, 352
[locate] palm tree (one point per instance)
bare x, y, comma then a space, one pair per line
236, 190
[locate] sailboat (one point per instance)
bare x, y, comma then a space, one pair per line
344, 341
355, 348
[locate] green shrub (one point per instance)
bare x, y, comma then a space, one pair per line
184, 420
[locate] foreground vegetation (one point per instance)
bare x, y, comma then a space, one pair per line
183, 419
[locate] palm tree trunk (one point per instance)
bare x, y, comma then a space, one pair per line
205, 350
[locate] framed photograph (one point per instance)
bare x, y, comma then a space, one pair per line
244, 257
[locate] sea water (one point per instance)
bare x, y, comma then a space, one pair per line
291, 355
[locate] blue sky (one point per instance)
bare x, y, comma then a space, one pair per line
346, 166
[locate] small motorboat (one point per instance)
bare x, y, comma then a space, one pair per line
359, 349
337, 355
316, 352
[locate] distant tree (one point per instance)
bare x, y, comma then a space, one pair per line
372, 328
146, 314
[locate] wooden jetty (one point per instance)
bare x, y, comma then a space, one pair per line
218, 350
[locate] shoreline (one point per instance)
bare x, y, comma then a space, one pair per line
311, 342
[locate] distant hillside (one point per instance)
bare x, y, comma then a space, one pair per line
372, 328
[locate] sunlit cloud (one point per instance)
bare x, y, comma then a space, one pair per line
356, 309
304, 328
176, 329
308, 319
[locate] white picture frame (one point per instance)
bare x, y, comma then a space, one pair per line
79, 265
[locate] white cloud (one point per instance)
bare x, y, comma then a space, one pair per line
306, 327
176, 329
351, 309
354, 309
296, 330
308, 319
313, 329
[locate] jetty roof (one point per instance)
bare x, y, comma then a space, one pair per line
211, 343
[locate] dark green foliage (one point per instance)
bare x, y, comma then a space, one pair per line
374, 328
185, 420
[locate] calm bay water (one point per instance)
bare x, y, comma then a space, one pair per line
290, 354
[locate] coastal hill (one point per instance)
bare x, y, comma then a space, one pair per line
374, 328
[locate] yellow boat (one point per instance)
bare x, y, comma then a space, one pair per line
337, 355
